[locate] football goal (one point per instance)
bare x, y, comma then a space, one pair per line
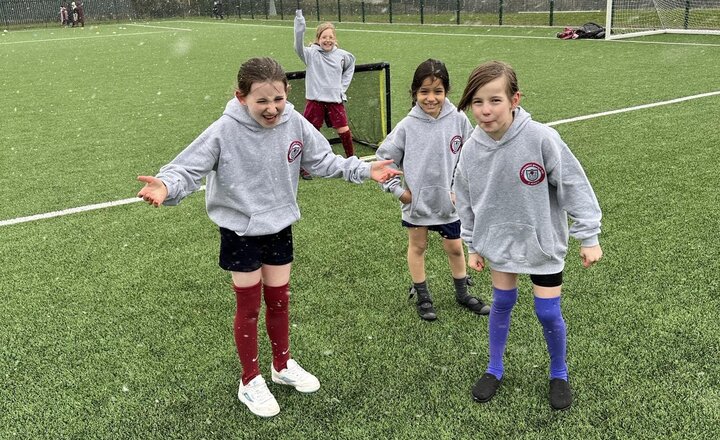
367, 106
632, 18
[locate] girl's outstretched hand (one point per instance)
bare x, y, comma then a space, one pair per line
476, 261
590, 255
154, 192
381, 171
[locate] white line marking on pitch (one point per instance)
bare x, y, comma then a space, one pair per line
525, 37
86, 37
160, 27
630, 109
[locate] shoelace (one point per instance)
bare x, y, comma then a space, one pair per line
295, 372
260, 393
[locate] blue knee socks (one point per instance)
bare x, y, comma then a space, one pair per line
550, 316
499, 328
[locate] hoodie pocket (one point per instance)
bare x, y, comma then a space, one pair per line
433, 201
271, 220
515, 242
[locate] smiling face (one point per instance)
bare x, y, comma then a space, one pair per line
493, 108
327, 40
431, 96
265, 102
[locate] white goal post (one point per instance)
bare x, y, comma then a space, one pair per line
632, 18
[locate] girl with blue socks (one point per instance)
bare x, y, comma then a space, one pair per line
516, 184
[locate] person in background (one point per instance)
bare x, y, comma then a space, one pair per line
516, 184
327, 78
80, 11
252, 156
64, 18
218, 10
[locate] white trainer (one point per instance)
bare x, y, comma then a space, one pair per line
295, 376
258, 397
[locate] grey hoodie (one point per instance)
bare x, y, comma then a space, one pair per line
514, 197
252, 172
427, 150
328, 74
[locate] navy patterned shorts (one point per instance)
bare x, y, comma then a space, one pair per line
450, 231
248, 254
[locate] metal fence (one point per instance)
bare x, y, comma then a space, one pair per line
29, 12
34, 12
390, 11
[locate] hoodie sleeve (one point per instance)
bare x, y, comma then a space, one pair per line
576, 196
348, 72
319, 159
463, 204
393, 147
299, 36
184, 174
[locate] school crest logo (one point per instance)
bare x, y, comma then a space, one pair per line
294, 151
456, 144
532, 173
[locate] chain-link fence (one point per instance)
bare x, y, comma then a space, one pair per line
529, 12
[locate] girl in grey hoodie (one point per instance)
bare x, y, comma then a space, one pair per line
251, 157
426, 145
516, 184
329, 72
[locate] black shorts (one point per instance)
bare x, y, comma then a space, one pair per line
550, 280
248, 254
449, 231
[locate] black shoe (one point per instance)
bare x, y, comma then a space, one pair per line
424, 305
305, 175
560, 394
476, 305
485, 388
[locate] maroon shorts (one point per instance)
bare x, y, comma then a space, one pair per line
332, 113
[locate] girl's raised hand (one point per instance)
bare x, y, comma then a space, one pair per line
381, 171
154, 192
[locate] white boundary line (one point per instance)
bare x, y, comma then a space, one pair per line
32, 218
381, 31
637, 107
160, 27
478, 35
86, 37
86, 208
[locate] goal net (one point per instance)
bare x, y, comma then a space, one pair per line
367, 106
631, 18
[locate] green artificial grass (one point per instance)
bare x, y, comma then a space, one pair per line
117, 323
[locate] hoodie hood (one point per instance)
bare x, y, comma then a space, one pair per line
521, 119
241, 114
447, 109
319, 48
